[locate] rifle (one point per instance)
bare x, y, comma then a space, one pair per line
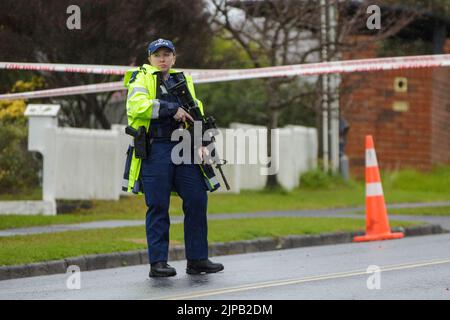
180, 90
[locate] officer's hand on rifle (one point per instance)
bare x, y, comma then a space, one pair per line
168, 108
181, 116
203, 154
173, 109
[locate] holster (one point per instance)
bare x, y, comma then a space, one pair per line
140, 141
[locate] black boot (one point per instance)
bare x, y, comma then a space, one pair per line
203, 266
161, 269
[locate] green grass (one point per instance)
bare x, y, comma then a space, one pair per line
317, 192
33, 194
436, 181
44, 247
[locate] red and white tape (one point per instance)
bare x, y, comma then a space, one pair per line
207, 76
83, 68
338, 67
67, 91
55, 67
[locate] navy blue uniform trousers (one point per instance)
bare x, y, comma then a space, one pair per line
159, 177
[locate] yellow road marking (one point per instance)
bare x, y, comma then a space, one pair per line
277, 283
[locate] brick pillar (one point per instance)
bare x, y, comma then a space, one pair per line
402, 123
440, 117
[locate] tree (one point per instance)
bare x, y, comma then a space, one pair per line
111, 33
286, 32
18, 167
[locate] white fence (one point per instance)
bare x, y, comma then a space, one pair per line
88, 164
296, 148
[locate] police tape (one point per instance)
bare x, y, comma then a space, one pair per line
55, 67
83, 68
208, 76
67, 91
337, 67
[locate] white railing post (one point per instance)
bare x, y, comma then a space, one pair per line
41, 126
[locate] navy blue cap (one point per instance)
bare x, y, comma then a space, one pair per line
160, 43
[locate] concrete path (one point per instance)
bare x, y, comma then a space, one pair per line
336, 213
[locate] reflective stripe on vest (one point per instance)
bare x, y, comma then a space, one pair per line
136, 90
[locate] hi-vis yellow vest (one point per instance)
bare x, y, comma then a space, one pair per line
142, 107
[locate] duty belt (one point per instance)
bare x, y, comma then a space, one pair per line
157, 131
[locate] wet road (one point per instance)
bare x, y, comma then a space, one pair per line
411, 268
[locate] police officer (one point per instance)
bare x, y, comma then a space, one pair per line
150, 105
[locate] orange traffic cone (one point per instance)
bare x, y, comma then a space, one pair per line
377, 223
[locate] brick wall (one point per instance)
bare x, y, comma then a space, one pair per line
414, 138
440, 115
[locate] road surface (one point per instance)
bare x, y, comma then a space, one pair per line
410, 268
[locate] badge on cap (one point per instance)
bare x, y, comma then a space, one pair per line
155, 45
